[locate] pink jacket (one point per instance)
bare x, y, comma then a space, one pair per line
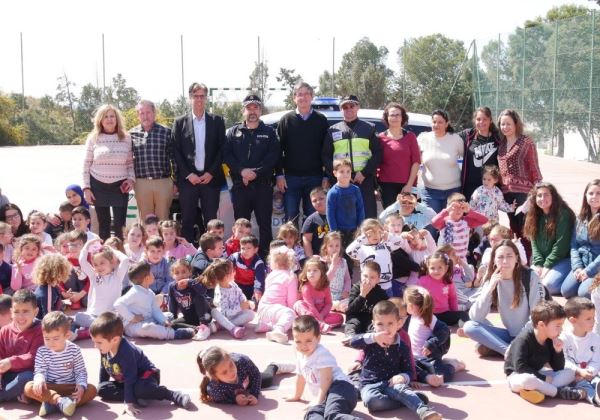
19, 346
180, 251
444, 295
24, 279
281, 287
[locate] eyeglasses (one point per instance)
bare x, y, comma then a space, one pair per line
199, 96
12, 216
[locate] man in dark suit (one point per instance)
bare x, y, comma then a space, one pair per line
198, 139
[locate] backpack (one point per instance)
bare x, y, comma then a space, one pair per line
526, 281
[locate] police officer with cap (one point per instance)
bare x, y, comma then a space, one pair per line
356, 140
252, 151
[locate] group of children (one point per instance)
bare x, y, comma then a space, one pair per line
155, 284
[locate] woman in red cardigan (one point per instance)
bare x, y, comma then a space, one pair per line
519, 169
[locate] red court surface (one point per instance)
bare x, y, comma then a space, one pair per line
480, 392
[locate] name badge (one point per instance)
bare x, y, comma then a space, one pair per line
336, 135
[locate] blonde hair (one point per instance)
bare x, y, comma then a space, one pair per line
332, 236
288, 229
51, 269
99, 116
370, 224
282, 258
4, 227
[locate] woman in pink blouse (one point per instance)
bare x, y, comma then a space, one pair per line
399, 167
108, 174
519, 169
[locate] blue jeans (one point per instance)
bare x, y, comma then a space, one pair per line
13, 384
299, 188
554, 279
495, 338
341, 400
381, 396
437, 199
571, 287
589, 387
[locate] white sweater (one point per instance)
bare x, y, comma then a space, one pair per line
439, 157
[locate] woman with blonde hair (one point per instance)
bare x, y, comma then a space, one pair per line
108, 173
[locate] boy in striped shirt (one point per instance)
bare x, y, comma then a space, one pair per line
60, 376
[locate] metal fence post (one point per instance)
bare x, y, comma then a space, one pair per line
523, 77
498, 76
591, 84
554, 87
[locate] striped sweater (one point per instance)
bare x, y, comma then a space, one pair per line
108, 159
65, 367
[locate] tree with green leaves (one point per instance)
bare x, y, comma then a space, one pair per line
363, 72
436, 74
89, 100
259, 80
326, 87
11, 132
66, 97
289, 80
121, 95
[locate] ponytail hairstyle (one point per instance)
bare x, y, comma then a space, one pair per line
441, 255
488, 113
312, 261
444, 115
208, 359
587, 217
216, 272
421, 298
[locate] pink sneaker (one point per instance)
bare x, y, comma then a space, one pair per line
261, 327
238, 332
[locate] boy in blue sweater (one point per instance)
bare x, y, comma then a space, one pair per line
386, 372
136, 379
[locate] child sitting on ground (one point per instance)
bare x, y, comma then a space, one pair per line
5, 273
438, 282
176, 247
463, 278
419, 245
60, 377
77, 286
241, 228
581, 346
155, 256
211, 247
386, 371
275, 313
50, 271
315, 295
315, 226
136, 379
430, 339
29, 250
6, 240
19, 342
141, 313
151, 225
135, 239
455, 222
332, 391
537, 345
375, 244
106, 279
62, 223
5, 315
36, 221
337, 271
363, 298
81, 218
216, 227
232, 378
233, 310
402, 263
189, 297
249, 268
288, 232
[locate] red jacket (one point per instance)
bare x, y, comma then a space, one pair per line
20, 347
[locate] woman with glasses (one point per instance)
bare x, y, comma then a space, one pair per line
399, 165
12, 214
440, 150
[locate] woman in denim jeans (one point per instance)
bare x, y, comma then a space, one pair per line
549, 225
585, 245
440, 150
504, 288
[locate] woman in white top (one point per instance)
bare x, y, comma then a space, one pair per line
440, 150
108, 173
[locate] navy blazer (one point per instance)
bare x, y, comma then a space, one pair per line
184, 147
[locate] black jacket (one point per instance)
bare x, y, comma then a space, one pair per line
256, 149
184, 147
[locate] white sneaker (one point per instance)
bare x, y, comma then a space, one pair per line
277, 336
202, 334
284, 367
214, 327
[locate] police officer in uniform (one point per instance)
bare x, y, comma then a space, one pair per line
252, 151
356, 140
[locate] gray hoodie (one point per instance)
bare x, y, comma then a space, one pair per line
514, 319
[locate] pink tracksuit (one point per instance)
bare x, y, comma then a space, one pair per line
318, 303
275, 308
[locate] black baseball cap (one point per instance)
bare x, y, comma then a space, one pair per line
349, 99
252, 99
